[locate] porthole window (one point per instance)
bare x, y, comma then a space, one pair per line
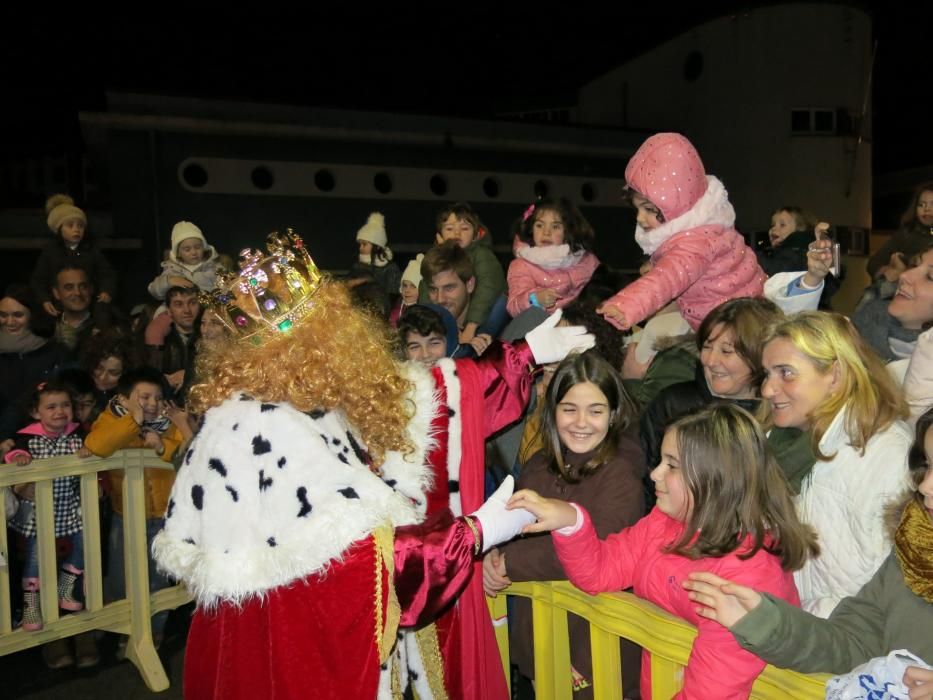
491, 187
262, 178
541, 189
588, 191
438, 185
382, 182
194, 175
324, 180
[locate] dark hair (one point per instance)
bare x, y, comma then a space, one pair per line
179, 291
578, 233
738, 490
577, 369
460, 210
378, 253
78, 381
370, 296
70, 265
909, 216
917, 457
748, 318
446, 256
40, 323
107, 343
604, 283
421, 320
140, 375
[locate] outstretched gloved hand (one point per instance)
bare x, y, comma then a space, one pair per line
550, 343
500, 525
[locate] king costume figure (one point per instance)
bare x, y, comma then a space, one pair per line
317, 514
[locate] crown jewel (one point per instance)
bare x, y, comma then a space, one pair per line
270, 293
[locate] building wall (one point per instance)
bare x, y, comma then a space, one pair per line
756, 67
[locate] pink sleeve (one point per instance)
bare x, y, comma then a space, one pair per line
520, 283
13, 454
600, 566
506, 378
580, 274
674, 272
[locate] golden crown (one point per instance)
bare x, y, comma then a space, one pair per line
270, 293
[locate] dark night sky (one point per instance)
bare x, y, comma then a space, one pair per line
418, 59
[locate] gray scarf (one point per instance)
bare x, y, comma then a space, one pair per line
20, 343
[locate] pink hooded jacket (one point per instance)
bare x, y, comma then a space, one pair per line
699, 258
550, 267
635, 558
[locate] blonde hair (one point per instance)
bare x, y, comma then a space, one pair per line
337, 357
738, 489
803, 219
867, 390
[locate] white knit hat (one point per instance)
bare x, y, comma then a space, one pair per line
413, 272
374, 230
184, 230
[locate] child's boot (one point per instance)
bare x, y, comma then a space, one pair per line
66, 588
32, 613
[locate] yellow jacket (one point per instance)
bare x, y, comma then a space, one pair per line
111, 433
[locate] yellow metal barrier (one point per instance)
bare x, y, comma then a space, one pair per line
613, 615
130, 616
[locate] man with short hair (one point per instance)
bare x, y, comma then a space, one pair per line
172, 358
448, 274
73, 291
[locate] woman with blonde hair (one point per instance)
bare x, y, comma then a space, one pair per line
827, 392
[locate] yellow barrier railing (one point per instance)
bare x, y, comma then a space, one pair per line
130, 616
611, 616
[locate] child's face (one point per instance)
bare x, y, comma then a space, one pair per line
149, 398
107, 373
82, 407
14, 317
926, 486
582, 418
925, 208
72, 231
459, 230
674, 498
54, 411
426, 349
409, 292
548, 228
191, 251
649, 216
366, 248
782, 225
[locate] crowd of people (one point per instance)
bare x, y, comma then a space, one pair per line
706, 434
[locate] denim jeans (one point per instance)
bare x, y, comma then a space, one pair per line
115, 584
75, 557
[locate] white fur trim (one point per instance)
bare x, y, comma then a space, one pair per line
253, 530
551, 257
712, 208
454, 431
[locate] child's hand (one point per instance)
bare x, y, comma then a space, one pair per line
50, 309
176, 281
176, 379
152, 440
896, 265
480, 343
645, 267
919, 682
83, 452
131, 404
494, 576
631, 367
614, 316
27, 491
719, 599
6, 446
104, 298
468, 333
551, 513
547, 298
21, 460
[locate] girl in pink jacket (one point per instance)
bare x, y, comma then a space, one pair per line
553, 258
724, 505
685, 223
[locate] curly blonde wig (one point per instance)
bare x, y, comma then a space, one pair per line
337, 357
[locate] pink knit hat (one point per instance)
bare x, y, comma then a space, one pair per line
668, 171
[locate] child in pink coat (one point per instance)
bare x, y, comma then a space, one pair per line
723, 504
685, 223
553, 258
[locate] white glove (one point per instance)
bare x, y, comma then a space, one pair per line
551, 344
500, 525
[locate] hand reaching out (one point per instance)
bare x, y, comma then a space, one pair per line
551, 513
719, 599
919, 682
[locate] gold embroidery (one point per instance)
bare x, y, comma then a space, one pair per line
386, 620
477, 540
430, 651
